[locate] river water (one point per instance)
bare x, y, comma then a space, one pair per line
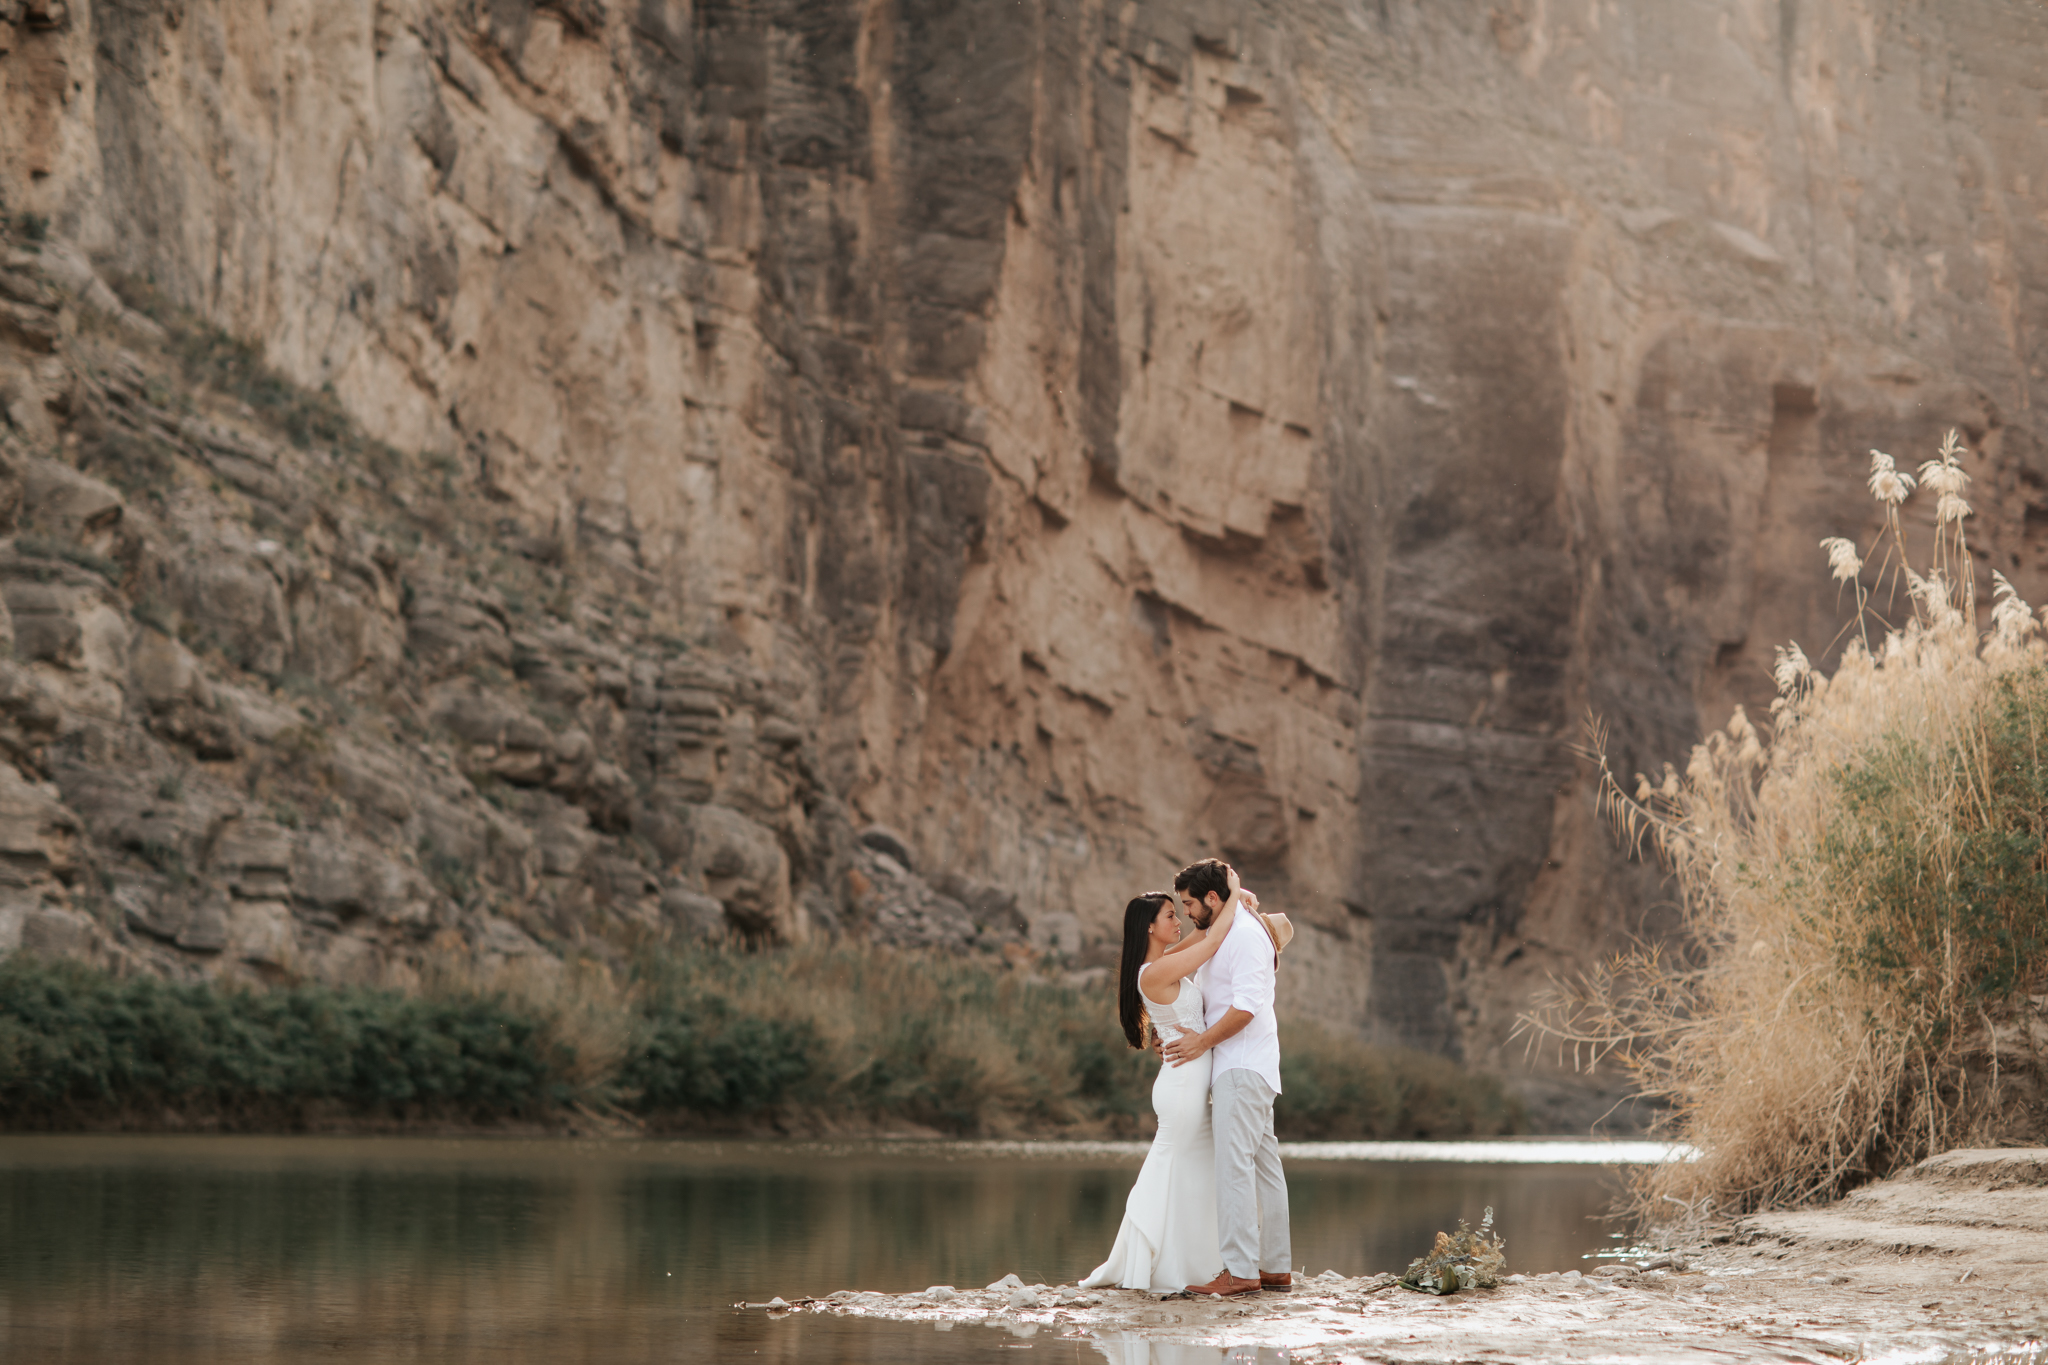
231, 1249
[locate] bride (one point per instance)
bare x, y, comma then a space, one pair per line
1168, 1239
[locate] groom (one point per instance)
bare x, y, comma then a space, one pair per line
1244, 1080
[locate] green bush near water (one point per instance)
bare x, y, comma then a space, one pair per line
710, 1060
960, 1045
831, 1036
1983, 919
77, 1045
1339, 1087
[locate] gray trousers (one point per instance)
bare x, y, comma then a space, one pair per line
1251, 1190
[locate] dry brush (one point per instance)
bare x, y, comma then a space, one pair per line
1865, 887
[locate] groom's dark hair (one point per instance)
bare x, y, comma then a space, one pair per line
1199, 879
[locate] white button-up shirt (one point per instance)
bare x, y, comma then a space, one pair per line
1240, 976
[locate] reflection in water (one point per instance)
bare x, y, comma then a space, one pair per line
230, 1249
1498, 1151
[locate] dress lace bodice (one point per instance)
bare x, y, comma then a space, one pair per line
1184, 1013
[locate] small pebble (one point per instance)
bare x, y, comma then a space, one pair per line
778, 1302
1009, 1281
940, 1293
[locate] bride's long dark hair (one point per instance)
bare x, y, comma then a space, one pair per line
1130, 1006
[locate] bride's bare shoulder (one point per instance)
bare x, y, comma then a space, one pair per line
1147, 991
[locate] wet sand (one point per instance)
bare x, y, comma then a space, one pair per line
1946, 1261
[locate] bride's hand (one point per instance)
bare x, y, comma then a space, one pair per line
1235, 885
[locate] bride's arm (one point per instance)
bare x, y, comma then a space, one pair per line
1217, 927
1179, 965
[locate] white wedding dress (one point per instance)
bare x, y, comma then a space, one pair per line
1168, 1240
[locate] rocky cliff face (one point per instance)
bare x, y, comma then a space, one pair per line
1073, 438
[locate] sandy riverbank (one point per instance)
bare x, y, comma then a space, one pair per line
1947, 1259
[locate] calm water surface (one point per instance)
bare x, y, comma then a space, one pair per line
226, 1249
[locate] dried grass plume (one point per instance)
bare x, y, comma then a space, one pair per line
1866, 895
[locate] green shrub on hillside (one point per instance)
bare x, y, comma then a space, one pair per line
237, 368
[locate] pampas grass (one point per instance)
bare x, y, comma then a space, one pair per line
1866, 891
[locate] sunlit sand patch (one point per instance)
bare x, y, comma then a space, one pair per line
1717, 1302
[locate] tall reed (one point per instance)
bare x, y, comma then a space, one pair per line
1866, 890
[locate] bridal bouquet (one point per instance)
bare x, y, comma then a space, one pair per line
1462, 1260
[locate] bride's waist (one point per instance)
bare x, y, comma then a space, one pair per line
1170, 1031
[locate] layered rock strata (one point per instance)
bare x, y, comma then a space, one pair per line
1075, 438
293, 708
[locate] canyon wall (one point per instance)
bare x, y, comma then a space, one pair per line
968, 460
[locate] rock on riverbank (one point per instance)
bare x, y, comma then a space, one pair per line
1944, 1259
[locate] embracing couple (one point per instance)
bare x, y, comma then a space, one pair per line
1211, 1192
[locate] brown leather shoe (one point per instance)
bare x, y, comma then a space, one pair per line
1225, 1286
1277, 1282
